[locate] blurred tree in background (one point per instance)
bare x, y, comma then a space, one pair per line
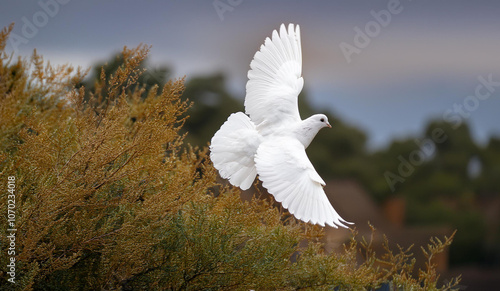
487, 183
156, 76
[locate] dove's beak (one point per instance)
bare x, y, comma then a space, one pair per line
328, 124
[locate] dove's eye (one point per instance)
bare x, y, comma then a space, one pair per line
322, 120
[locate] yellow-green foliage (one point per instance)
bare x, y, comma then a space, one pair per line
108, 197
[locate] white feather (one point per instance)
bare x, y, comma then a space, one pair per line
275, 80
233, 148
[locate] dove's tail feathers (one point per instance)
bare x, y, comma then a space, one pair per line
233, 149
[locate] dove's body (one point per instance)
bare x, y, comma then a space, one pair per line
272, 141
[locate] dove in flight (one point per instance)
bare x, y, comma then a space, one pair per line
271, 138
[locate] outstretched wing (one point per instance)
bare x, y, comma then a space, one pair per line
275, 80
286, 172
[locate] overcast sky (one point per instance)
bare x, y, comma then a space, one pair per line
386, 66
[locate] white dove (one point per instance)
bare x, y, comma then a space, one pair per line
271, 140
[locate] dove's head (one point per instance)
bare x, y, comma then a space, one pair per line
321, 120
308, 128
